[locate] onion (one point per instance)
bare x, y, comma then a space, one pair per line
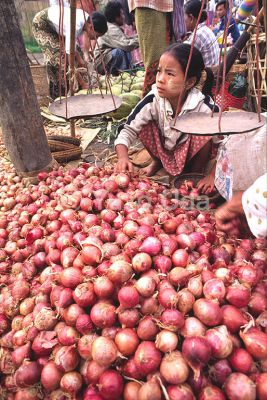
44, 342
126, 341
168, 297
20, 354
214, 289
68, 336
174, 368
51, 376
262, 386
172, 319
220, 371
211, 393
239, 386
180, 392
84, 294
147, 357
149, 306
66, 358
208, 312
151, 245
103, 315
179, 276
149, 390
145, 286
141, 262
110, 385
169, 245
166, 341
85, 345
147, 329
195, 286
131, 390
28, 374
71, 382
238, 295
193, 327
180, 258
72, 313
104, 351
257, 303
45, 319
71, 277
129, 318
255, 342
120, 271
91, 254
220, 341
197, 352
128, 296
241, 361
103, 287
186, 301
233, 318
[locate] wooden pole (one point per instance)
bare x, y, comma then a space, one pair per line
20, 117
72, 55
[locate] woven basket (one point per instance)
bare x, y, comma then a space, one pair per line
252, 71
195, 178
41, 83
236, 69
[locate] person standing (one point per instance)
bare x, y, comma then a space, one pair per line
153, 22
205, 40
222, 11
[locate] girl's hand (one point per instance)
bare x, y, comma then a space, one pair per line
206, 184
124, 165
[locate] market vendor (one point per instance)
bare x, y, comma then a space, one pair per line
222, 12
46, 30
205, 40
114, 48
154, 118
251, 205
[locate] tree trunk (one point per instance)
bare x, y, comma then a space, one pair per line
20, 117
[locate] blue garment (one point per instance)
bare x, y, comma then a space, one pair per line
233, 29
121, 60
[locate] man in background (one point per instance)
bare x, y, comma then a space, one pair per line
222, 11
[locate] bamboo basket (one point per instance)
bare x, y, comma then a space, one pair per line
41, 83
235, 69
252, 71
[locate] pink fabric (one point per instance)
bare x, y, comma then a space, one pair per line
172, 161
158, 5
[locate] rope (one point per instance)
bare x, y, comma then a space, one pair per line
224, 62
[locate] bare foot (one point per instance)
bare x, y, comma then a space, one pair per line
152, 168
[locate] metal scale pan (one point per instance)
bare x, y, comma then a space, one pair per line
82, 106
202, 124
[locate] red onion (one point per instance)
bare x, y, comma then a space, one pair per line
91, 254
84, 294
239, 386
104, 351
103, 315
214, 289
193, 327
72, 313
51, 376
166, 341
71, 382
28, 374
197, 352
131, 390
110, 385
262, 386
45, 319
120, 271
71, 277
233, 318
162, 263
238, 295
149, 390
186, 301
103, 287
180, 258
85, 345
241, 361
211, 393
66, 358
179, 276
147, 357
208, 312
257, 303
147, 329
174, 368
219, 372
141, 262
220, 341
151, 245
255, 342
126, 341
128, 296
172, 319
180, 392
20, 354
129, 318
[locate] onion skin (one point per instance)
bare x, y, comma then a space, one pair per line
211, 393
110, 385
28, 374
173, 368
220, 342
197, 352
51, 376
180, 392
208, 312
147, 357
239, 386
233, 318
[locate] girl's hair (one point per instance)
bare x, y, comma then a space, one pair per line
193, 8
181, 53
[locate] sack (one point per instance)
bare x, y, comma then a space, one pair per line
241, 160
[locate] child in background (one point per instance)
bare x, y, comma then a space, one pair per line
153, 119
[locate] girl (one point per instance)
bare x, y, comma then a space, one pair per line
153, 119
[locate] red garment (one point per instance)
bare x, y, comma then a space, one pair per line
173, 161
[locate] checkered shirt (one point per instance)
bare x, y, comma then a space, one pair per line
206, 43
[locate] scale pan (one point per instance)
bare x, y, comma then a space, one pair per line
81, 106
202, 124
